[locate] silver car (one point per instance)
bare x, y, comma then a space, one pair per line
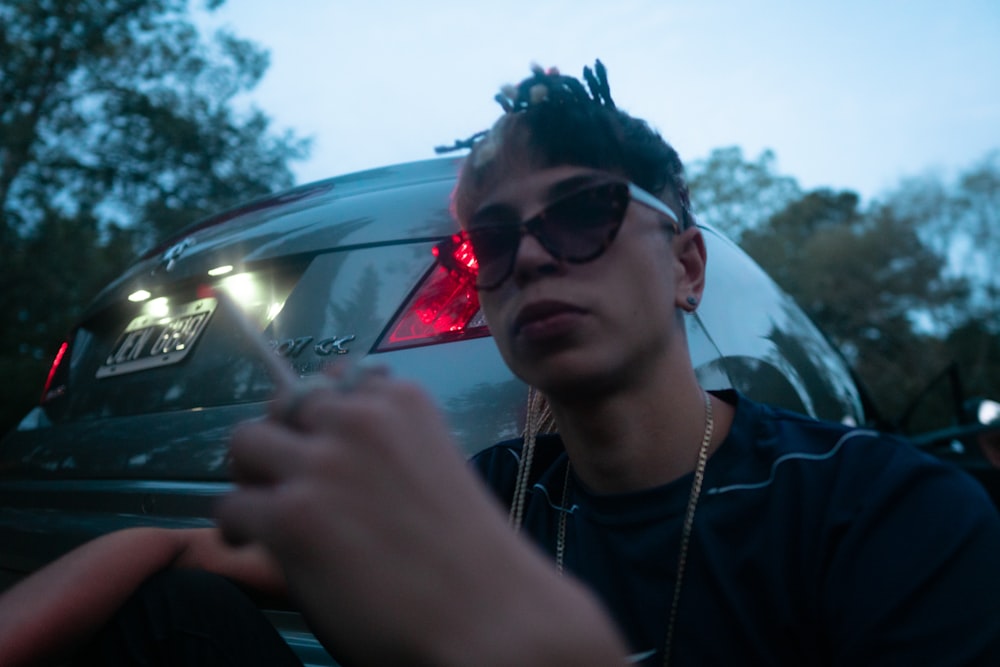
134, 423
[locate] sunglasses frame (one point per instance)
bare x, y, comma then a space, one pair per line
447, 254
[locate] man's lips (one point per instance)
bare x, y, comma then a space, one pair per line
540, 311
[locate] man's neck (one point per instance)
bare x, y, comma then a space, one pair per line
634, 440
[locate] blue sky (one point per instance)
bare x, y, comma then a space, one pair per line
849, 94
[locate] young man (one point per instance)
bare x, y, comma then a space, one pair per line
691, 528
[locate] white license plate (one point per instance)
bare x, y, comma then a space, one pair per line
153, 341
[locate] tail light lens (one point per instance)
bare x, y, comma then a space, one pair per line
445, 307
55, 384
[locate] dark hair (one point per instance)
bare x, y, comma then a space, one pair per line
551, 120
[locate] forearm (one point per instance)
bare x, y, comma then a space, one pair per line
493, 601
60, 606
395, 553
551, 625
531, 617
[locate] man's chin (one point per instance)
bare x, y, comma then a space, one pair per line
564, 379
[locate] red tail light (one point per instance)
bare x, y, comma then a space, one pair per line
444, 307
51, 389
459, 254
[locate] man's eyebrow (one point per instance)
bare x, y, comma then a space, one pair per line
508, 212
574, 183
494, 212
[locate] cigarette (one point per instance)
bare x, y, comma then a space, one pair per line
282, 374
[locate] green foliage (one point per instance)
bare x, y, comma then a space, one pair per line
976, 349
861, 278
49, 275
961, 220
120, 106
119, 124
905, 288
736, 196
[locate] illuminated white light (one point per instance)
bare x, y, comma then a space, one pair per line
989, 412
221, 270
139, 295
158, 307
273, 310
241, 287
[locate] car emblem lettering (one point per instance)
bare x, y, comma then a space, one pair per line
334, 344
292, 347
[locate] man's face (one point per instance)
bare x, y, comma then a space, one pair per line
591, 326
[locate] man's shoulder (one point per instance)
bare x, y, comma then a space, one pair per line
828, 455
783, 432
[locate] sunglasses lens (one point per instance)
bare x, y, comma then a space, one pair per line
495, 247
577, 228
580, 227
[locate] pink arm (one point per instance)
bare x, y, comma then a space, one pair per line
60, 606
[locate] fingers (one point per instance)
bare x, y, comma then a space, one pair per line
312, 417
244, 516
303, 434
341, 437
285, 407
269, 463
356, 377
266, 452
268, 515
341, 379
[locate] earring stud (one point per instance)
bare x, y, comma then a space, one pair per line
692, 301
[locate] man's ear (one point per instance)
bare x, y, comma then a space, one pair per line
690, 260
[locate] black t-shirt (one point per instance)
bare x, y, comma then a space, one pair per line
813, 544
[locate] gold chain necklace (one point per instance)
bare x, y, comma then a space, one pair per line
699, 477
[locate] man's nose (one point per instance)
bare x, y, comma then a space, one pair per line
533, 259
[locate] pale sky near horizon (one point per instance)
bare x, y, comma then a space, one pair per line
851, 94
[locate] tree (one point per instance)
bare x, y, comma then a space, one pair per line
869, 282
961, 220
736, 196
907, 288
119, 123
